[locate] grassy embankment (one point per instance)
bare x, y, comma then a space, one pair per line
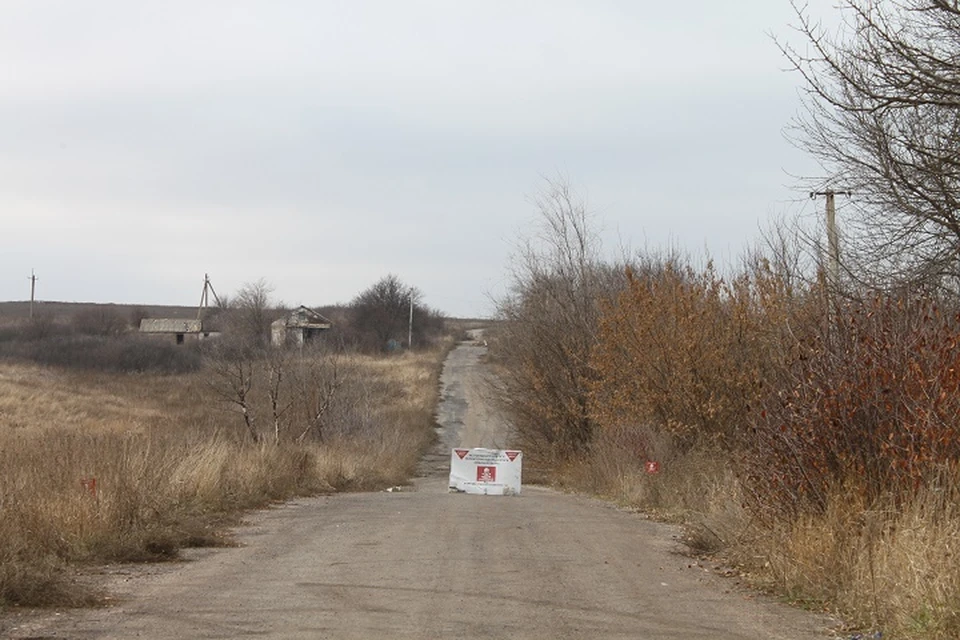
173, 465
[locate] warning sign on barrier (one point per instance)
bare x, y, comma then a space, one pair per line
486, 471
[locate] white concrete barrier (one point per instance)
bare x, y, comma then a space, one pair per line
491, 472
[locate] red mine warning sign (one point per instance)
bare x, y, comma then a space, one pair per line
462, 452
486, 474
512, 455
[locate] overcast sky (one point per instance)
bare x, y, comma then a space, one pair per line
323, 144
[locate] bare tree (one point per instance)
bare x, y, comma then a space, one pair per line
551, 314
277, 364
381, 313
882, 115
232, 373
290, 392
253, 311
318, 383
238, 359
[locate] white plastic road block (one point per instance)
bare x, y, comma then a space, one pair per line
492, 472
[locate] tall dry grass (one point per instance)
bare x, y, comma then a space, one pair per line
171, 464
696, 487
884, 566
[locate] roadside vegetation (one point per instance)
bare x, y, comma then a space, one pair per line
808, 433
804, 406
102, 461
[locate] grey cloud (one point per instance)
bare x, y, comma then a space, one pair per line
323, 144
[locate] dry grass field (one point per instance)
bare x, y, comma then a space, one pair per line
115, 467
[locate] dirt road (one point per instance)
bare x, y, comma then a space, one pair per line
424, 563
466, 415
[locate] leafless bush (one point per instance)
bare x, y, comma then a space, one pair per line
41, 327
316, 383
232, 365
124, 354
290, 393
99, 321
137, 314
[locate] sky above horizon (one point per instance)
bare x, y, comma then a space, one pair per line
322, 145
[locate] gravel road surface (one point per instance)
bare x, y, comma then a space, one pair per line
424, 563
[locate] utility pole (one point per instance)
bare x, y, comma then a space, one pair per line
33, 289
205, 296
833, 240
410, 329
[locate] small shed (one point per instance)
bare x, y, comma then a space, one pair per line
298, 327
176, 327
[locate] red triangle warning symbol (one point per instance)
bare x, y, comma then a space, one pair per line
462, 452
512, 455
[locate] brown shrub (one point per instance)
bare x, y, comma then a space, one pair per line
872, 399
687, 352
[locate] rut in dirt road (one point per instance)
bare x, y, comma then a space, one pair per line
467, 412
425, 563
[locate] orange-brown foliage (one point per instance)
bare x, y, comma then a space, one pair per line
871, 403
687, 352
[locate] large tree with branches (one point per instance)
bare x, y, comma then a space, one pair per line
551, 312
381, 313
882, 115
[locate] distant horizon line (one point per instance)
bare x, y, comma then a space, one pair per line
195, 306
